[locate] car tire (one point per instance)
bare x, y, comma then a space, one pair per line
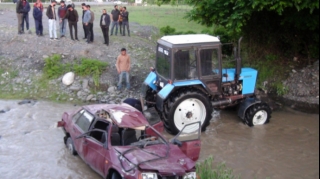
70, 146
258, 114
115, 175
187, 107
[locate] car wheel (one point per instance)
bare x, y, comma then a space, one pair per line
258, 114
70, 146
115, 175
188, 107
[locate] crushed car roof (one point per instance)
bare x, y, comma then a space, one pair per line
123, 115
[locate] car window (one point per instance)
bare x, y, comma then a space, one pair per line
84, 120
99, 136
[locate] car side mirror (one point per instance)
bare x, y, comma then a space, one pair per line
177, 142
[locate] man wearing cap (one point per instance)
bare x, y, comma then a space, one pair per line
86, 20
104, 24
62, 11
72, 17
123, 67
51, 14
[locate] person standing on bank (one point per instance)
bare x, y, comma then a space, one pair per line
123, 67
62, 11
51, 14
115, 14
104, 24
37, 15
25, 17
91, 23
86, 19
84, 29
19, 11
120, 19
38, 2
72, 17
125, 17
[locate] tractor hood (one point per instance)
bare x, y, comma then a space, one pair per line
153, 158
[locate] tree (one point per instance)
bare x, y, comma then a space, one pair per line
277, 22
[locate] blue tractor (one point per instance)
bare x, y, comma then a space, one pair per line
190, 81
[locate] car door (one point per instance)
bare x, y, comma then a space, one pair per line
95, 149
81, 124
210, 73
189, 142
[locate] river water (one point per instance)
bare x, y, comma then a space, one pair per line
32, 147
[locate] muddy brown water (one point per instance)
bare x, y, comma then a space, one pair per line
32, 147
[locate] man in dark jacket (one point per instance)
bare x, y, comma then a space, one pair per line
25, 17
37, 15
125, 19
104, 24
72, 17
52, 16
91, 23
19, 11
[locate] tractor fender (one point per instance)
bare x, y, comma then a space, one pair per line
245, 105
149, 81
165, 92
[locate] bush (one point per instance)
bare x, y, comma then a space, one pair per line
167, 30
53, 67
90, 67
205, 170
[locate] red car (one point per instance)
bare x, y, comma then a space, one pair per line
118, 142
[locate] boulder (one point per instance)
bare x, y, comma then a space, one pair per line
68, 78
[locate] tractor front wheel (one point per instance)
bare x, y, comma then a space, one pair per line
186, 108
258, 114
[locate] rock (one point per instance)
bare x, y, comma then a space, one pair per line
85, 84
68, 78
75, 88
45, 56
80, 94
89, 97
294, 71
112, 89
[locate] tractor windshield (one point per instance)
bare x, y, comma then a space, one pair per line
163, 62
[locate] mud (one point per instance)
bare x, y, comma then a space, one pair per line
32, 147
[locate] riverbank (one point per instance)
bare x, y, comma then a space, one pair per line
22, 59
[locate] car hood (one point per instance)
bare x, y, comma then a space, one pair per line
153, 158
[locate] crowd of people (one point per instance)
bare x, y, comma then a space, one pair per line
67, 15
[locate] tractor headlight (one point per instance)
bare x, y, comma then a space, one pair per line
149, 176
191, 175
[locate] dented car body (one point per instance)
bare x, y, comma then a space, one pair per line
118, 142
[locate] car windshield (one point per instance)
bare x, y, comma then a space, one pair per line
163, 62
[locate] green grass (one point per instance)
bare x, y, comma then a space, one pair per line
206, 170
163, 16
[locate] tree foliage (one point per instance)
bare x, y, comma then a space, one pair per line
288, 25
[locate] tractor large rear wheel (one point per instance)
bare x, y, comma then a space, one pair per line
185, 108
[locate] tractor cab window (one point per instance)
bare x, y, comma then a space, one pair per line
84, 120
163, 62
185, 65
209, 62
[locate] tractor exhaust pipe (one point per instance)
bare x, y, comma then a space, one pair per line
239, 60
221, 103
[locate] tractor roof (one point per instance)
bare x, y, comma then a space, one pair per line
194, 39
